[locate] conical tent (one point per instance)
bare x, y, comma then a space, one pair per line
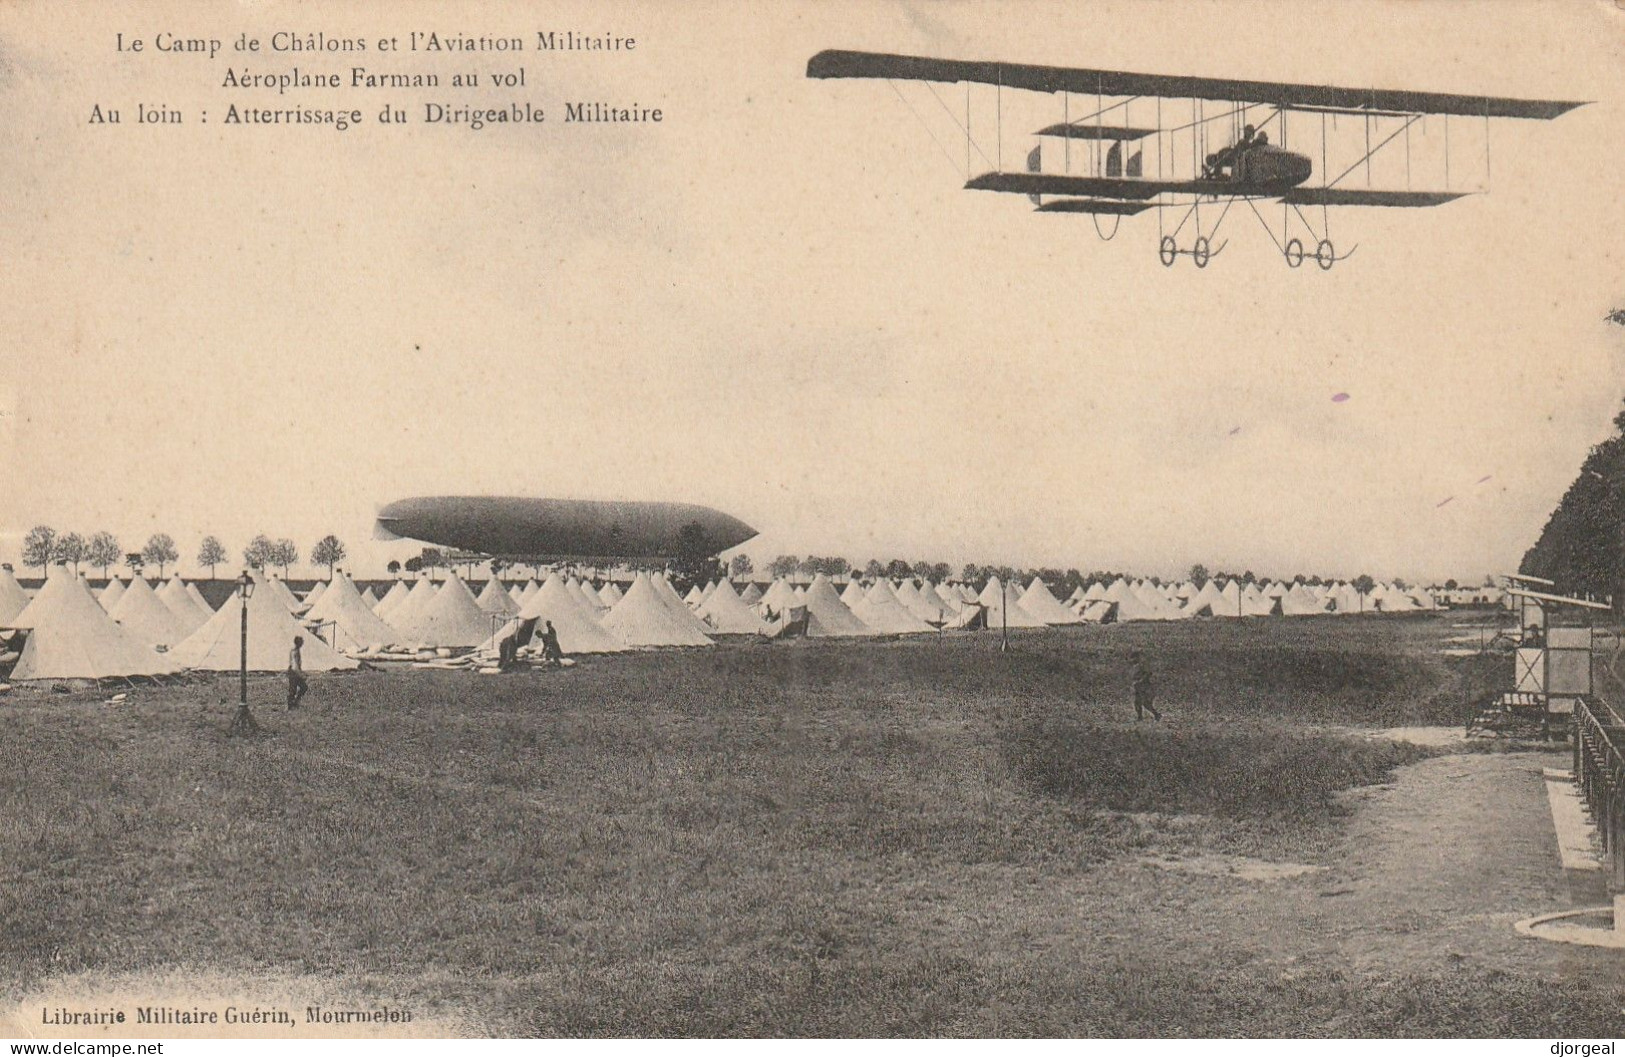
694, 597
609, 594
1207, 603
852, 594
174, 595
1038, 601
578, 629
881, 610
355, 626
940, 602
416, 601
110, 594
217, 645
72, 637
278, 589
751, 595
674, 602
528, 592
589, 598
779, 596
198, 600
393, 597
993, 599
828, 616
450, 618
314, 595
371, 599
144, 616
709, 589
728, 615
913, 601
1095, 593
1298, 602
13, 599
494, 598
641, 618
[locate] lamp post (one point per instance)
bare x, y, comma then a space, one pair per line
244, 722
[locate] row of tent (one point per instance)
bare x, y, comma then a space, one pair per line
132, 628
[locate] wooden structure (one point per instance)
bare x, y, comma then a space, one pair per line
1551, 665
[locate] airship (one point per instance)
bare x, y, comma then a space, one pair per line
518, 526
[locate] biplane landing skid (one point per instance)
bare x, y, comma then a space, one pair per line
1200, 252
1325, 255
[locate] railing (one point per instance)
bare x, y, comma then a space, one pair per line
1599, 756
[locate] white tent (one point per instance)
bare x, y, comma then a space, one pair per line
589, 598
914, 600
198, 600
828, 616
1000, 601
174, 595
109, 595
495, 599
392, 598
278, 589
780, 595
13, 599
370, 598
881, 609
609, 594
144, 616
1298, 602
1209, 602
1095, 593
1038, 601
314, 595
450, 618
723, 610
578, 628
751, 595
852, 594
355, 626
674, 602
641, 618
694, 597
72, 637
415, 602
217, 645
947, 604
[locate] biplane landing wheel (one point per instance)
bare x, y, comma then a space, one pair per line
1168, 251
1324, 256
1200, 251
1294, 253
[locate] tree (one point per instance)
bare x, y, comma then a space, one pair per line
414, 564
160, 551
1198, 576
329, 551
873, 570
284, 553
1401, 584
211, 552
257, 555
394, 567
971, 573
694, 563
941, 571
1363, 583
39, 546
783, 565
1451, 584
134, 561
103, 551
431, 559
810, 566
898, 569
740, 566
921, 570
72, 549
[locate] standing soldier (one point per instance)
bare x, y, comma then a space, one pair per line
1144, 692
550, 646
297, 687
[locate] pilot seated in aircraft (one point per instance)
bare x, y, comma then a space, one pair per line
1229, 157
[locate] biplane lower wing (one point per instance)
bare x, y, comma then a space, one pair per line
1100, 206
1027, 183
1355, 196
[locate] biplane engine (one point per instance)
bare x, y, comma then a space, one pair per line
1273, 166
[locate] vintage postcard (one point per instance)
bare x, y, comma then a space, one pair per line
998, 518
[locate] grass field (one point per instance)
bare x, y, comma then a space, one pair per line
920, 837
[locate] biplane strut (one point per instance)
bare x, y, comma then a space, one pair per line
1245, 167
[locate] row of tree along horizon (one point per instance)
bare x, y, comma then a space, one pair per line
43, 546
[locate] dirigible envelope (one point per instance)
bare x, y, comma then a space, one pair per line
512, 525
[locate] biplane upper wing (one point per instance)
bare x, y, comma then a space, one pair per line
1119, 83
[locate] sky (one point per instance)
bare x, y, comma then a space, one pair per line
780, 301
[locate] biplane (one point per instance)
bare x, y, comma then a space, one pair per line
1207, 158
